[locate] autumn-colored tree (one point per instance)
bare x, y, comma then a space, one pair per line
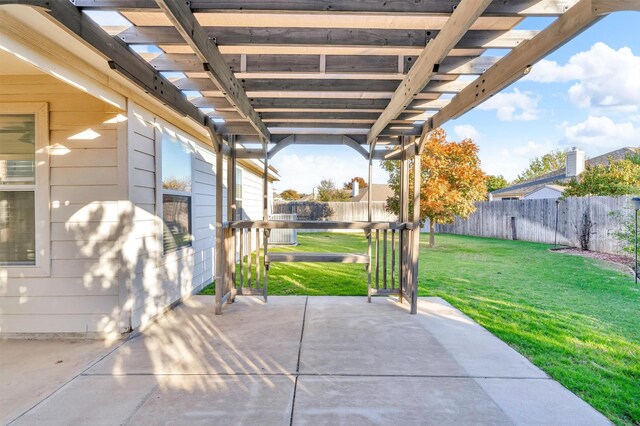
539, 166
290, 195
496, 182
621, 177
349, 184
451, 181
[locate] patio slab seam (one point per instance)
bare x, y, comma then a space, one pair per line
297, 374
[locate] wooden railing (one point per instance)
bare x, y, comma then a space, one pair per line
389, 246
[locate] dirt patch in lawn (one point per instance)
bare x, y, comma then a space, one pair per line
616, 261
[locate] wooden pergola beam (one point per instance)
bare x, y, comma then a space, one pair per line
214, 65
331, 67
520, 60
502, 8
322, 85
122, 60
427, 64
229, 36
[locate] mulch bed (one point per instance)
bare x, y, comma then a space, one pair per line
624, 263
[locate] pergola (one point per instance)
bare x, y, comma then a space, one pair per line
376, 76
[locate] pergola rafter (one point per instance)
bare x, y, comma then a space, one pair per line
214, 65
428, 62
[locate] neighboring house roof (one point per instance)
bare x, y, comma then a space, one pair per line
558, 188
559, 176
380, 192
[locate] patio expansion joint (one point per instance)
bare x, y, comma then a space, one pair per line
295, 384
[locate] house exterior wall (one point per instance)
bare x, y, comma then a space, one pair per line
80, 292
158, 279
252, 195
108, 270
542, 193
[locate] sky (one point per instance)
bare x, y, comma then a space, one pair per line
585, 94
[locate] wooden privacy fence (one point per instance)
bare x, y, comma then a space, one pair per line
535, 221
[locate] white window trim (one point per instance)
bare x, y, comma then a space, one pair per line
42, 267
174, 255
241, 199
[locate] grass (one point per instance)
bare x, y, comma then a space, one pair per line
572, 316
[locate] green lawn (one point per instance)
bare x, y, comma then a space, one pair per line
573, 317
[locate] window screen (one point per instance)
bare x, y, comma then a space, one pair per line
17, 189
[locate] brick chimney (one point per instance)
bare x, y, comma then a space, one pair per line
575, 162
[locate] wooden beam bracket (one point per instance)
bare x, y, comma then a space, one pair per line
182, 17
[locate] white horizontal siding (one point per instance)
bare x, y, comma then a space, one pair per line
81, 294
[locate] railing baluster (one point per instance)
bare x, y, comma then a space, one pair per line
384, 259
257, 259
265, 275
393, 259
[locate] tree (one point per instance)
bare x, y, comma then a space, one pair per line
496, 182
451, 181
621, 177
539, 166
290, 195
327, 191
626, 232
349, 184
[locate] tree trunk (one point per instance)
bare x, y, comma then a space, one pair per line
432, 230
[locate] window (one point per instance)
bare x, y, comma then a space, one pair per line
17, 189
239, 212
176, 193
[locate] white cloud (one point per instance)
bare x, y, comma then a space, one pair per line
601, 132
464, 131
303, 171
605, 78
514, 106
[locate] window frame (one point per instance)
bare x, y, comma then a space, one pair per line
161, 129
239, 201
41, 189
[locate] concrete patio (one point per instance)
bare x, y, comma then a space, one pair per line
303, 360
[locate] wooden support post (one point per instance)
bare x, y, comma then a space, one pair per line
368, 235
417, 179
393, 260
241, 236
220, 255
249, 255
384, 261
377, 259
369, 188
265, 216
404, 216
231, 210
